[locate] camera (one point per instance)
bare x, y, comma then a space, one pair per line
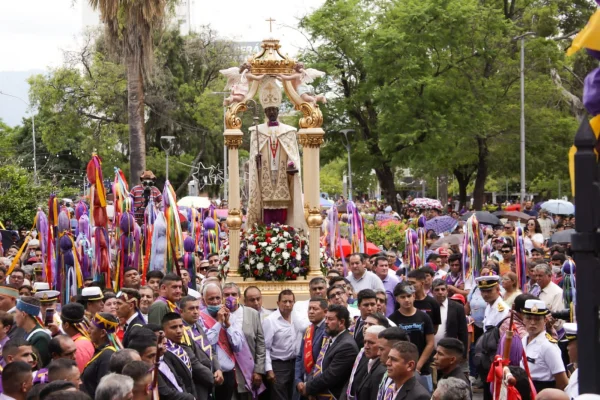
563, 314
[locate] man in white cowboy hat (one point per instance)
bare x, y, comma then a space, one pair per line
542, 351
143, 193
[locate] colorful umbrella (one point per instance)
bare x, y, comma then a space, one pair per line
425, 203
452, 240
371, 248
513, 207
441, 224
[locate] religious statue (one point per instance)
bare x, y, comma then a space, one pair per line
275, 185
237, 82
300, 80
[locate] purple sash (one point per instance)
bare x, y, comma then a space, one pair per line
180, 353
245, 364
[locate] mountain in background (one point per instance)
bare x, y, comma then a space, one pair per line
15, 83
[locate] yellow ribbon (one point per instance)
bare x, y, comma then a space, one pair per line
595, 125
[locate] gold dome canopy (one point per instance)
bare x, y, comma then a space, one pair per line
270, 61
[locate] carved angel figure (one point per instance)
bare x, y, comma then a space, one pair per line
301, 79
237, 82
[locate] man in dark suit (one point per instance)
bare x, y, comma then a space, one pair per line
314, 334
190, 374
448, 359
128, 302
401, 365
367, 388
454, 322
367, 305
334, 363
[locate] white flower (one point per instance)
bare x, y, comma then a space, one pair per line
248, 267
260, 265
273, 239
273, 254
252, 260
272, 268
276, 230
269, 248
286, 235
263, 244
252, 248
298, 256
282, 245
296, 270
285, 255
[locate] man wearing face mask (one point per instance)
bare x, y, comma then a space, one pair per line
248, 321
232, 350
143, 193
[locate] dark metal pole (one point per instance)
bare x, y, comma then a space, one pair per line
585, 245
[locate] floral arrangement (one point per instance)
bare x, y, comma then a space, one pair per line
270, 252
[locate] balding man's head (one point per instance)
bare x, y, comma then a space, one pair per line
552, 394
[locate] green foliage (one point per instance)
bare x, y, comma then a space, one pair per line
391, 235
434, 86
20, 197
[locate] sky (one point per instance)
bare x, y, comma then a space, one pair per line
34, 33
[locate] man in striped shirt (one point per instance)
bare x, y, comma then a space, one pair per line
143, 193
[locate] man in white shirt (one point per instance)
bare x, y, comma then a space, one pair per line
550, 293
317, 288
360, 277
496, 309
253, 299
281, 341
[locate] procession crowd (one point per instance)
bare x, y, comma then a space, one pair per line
371, 329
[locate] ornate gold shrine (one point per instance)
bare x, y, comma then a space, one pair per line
270, 61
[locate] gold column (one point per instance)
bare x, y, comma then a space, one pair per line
233, 140
311, 140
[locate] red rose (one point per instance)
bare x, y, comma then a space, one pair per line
267, 259
278, 250
280, 262
294, 276
255, 272
258, 251
293, 254
279, 271
268, 235
288, 273
289, 245
303, 262
256, 243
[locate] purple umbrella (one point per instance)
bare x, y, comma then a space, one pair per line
441, 224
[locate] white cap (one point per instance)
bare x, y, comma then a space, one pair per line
92, 293
40, 286
194, 293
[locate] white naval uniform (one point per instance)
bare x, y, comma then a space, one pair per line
495, 313
543, 356
572, 389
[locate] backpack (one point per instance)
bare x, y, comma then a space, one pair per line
486, 347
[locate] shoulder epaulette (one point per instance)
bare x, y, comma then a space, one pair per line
500, 307
550, 338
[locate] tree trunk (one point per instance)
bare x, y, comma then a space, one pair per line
482, 173
443, 192
135, 112
463, 177
385, 176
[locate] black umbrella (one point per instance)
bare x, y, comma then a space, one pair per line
562, 236
483, 217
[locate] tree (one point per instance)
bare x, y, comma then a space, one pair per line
130, 26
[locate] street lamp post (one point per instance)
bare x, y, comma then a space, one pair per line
522, 140
225, 169
35, 177
167, 145
345, 132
